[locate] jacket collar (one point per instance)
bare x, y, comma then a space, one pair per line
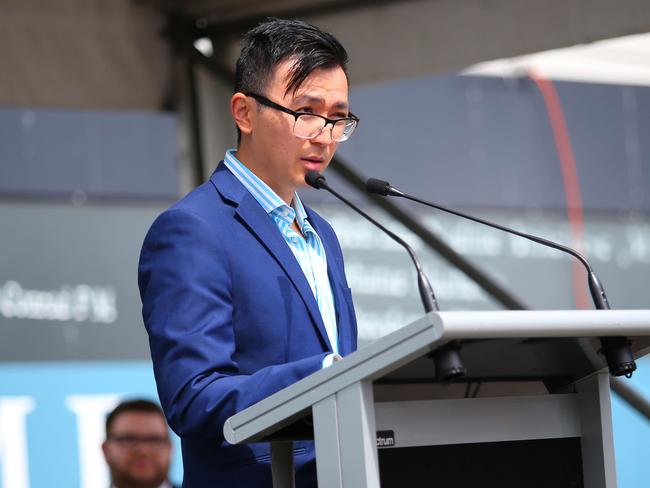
260, 224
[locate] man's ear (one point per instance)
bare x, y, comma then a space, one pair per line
241, 110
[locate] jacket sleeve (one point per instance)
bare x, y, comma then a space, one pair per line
187, 307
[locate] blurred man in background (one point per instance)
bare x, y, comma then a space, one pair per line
137, 448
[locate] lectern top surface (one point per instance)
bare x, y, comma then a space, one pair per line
531, 344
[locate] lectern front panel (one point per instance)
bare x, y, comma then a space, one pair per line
544, 463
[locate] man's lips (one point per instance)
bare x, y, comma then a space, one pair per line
315, 160
313, 164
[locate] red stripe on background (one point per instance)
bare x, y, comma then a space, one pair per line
569, 169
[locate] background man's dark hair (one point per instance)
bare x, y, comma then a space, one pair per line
137, 405
275, 40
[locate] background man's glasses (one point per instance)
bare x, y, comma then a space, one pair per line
308, 125
131, 441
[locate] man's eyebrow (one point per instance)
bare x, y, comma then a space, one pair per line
315, 99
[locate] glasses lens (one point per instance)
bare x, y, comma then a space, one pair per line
308, 126
343, 129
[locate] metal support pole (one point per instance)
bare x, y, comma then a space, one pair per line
345, 432
282, 464
195, 121
597, 441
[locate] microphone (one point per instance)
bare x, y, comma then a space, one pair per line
447, 358
616, 350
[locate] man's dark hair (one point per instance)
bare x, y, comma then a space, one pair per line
276, 40
137, 405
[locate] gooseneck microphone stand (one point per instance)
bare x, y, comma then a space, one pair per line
617, 350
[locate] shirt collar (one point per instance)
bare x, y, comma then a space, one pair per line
265, 196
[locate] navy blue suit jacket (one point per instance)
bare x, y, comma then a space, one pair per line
231, 320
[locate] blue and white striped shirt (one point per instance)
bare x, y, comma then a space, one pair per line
308, 250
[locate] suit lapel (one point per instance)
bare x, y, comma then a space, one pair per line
262, 226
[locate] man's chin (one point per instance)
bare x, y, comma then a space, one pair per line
141, 479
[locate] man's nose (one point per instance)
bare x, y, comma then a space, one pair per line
325, 136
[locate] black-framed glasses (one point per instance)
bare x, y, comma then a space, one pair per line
308, 125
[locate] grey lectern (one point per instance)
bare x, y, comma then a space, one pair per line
541, 376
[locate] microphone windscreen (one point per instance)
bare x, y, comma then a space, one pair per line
315, 179
379, 187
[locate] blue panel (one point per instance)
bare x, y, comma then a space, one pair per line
51, 426
52, 432
632, 434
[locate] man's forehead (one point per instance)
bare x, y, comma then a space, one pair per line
139, 420
282, 75
315, 99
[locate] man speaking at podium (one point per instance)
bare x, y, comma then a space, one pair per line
243, 287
